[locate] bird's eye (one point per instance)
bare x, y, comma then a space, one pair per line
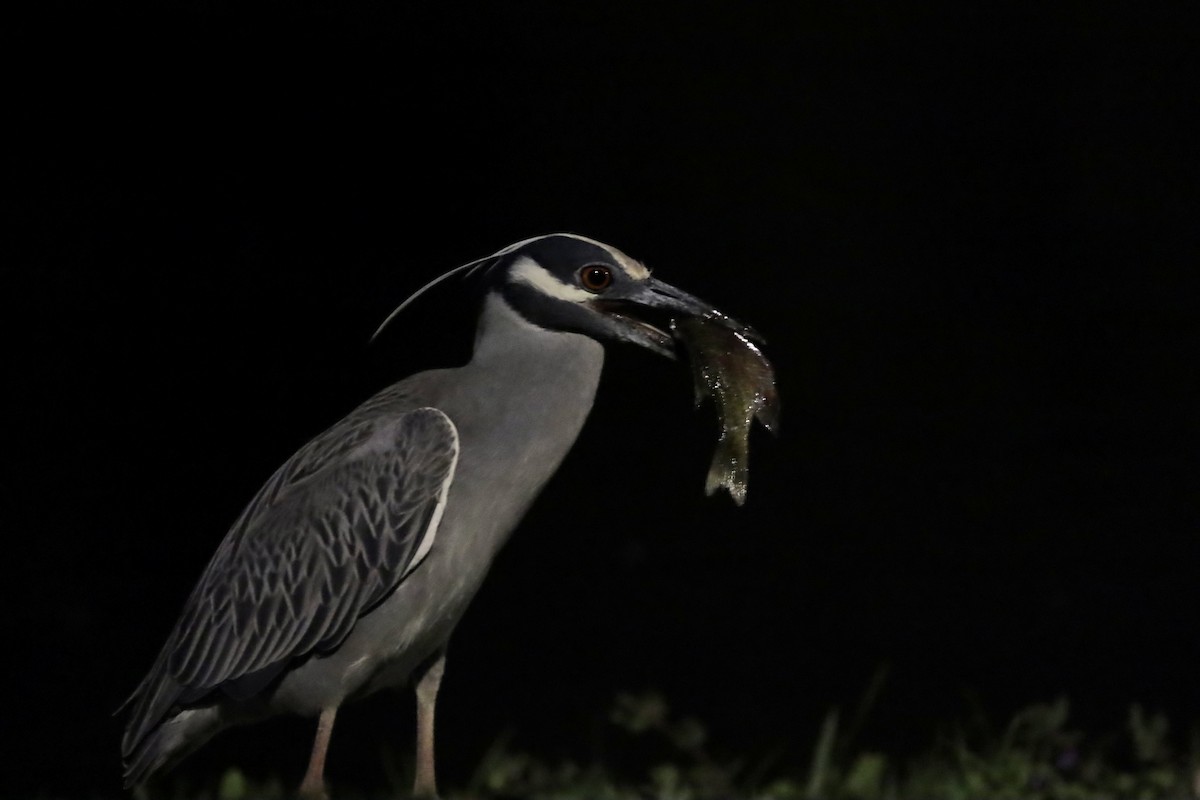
595, 278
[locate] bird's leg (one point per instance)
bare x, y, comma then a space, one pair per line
425, 784
313, 786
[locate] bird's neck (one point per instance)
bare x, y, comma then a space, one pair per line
526, 378
506, 337
518, 407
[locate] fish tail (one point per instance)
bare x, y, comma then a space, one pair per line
728, 471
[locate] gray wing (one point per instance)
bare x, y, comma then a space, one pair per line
329, 536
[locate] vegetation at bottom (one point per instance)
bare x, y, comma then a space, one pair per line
1037, 755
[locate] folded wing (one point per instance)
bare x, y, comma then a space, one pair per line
328, 537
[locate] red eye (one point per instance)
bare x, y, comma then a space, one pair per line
595, 278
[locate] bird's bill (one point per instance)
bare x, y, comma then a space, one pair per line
634, 314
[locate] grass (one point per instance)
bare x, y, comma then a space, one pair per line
1037, 755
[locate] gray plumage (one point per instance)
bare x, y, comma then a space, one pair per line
349, 569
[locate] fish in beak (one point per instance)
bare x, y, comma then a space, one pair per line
642, 314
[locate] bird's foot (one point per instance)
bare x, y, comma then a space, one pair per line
424, 788
313, 790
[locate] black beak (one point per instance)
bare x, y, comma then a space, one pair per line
634, 308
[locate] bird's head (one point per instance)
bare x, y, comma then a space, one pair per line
567, 282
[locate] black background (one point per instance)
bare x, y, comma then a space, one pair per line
967, 233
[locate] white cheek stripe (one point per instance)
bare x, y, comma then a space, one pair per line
528, 271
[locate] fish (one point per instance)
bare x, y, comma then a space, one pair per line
728, 367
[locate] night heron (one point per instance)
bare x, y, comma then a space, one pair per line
350, 568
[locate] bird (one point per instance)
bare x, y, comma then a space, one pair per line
349, 569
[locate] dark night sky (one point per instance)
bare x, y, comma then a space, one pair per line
966, 233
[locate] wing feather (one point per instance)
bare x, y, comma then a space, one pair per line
327, 538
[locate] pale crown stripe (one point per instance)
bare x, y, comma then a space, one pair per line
635, 269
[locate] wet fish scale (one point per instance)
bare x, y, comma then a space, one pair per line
730, 369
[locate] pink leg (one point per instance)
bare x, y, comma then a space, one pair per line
313, 787
425, 785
